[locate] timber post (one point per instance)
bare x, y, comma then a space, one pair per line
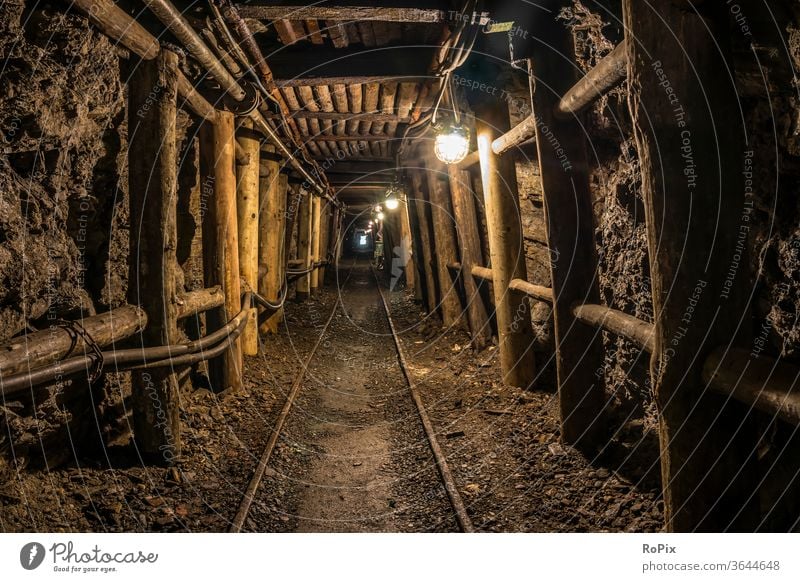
221, 241
324, 238
691, 159
561, 146
316, 211
507, 250
271, 242
444, 244
407, 246
152, 184
304, 245
470, 245
247, 206
420, 204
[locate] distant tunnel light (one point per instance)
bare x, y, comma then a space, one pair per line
452, 143
362, 240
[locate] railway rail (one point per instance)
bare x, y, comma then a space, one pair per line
456, 502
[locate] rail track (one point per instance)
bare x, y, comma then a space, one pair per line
456, 502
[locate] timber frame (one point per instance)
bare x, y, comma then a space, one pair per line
265, 181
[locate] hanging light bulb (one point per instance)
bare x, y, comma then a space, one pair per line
393, 195
380, 216
452, 143
378, 208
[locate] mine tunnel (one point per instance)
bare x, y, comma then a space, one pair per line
399, 266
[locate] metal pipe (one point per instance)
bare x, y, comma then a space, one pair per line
122, 28
195, 357
123, 359
172, 18
231, 15
267, 130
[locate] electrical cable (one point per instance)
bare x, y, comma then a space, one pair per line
127, 358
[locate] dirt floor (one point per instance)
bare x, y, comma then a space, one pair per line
353, 455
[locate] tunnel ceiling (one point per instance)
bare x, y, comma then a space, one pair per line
353, 75
353, 78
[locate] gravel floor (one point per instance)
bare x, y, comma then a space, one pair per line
353, 455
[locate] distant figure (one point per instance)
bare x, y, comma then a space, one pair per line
401, 256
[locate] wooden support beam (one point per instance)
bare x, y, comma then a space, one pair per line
292, 205
247, 214
324, 239
272, 240
758, 381
522, 132
607, 74
316, 218
348, 12
221, 240
285, 30
118, 24
152, 184
617, 322
174, 20
689, 138
466, 221
443, 243
564, 171
421, 206
122, 28
199, 301
355, 98
535, 291
44, 347
304, 249
506, 249
313, 32
47, 346
470, 160
406, 244
416, 250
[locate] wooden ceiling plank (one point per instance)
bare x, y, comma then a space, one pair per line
314, 32
351, 12
337, 33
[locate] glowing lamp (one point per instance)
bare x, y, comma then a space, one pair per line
452, 143
393, 194
380, 216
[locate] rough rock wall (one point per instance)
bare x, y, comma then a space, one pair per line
771, 107
64, 216
62, 123
63, 233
